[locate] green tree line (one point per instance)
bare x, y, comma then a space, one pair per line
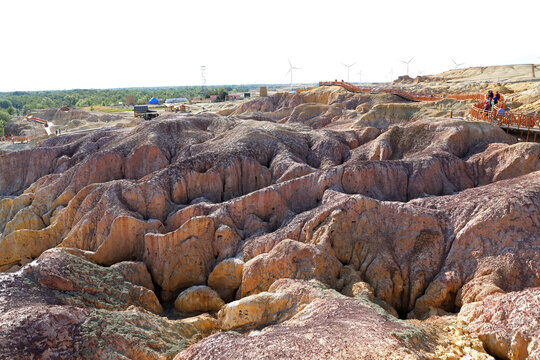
6, 112
24, 102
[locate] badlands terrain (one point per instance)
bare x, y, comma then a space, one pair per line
319, 225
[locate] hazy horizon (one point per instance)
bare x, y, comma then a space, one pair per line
63, 45
182, 86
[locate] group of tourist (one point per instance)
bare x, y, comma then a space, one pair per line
491, 100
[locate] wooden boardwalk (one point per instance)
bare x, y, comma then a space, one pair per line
526, 125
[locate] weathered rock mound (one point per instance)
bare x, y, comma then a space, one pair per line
320, 324
316, 108
508, 324
427, 217
62, 306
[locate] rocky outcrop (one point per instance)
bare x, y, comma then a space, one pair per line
418, 262
317, 323
67, 332
39, 162
226, 278
67, 120
384, 115
198, 299
420, 219
191, 204
316, 115
90, 205
502, 161
284, 299
63, 306
508, 324
289, 259
316, 108
61, 276
425, 138
495, 234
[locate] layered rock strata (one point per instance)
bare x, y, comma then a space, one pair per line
63, 306
316, 323
426, 216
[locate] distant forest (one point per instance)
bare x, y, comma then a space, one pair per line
23, 102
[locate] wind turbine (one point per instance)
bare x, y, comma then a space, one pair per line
359, 76
456, 64
348, 68
291, 68
407, 62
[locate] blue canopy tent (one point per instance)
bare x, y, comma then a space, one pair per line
153, 101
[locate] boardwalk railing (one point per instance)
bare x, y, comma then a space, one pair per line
346, 85
528, 125
31, 117
466, 96
407, 95
26, 139
14, 139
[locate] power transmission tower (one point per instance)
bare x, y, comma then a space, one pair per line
203, 81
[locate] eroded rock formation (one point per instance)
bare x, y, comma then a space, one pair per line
214, 214
508, 324
318, 323
63, 306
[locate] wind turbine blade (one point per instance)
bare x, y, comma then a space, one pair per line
288, 72
289, 62
410, 60
352, 64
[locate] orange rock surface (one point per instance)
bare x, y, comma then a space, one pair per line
289, 221
508, 324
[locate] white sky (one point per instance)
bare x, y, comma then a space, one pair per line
57, 44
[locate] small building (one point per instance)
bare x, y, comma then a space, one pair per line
263, 91
232, 97
130, 100
183, 108
213, 98
176, 101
